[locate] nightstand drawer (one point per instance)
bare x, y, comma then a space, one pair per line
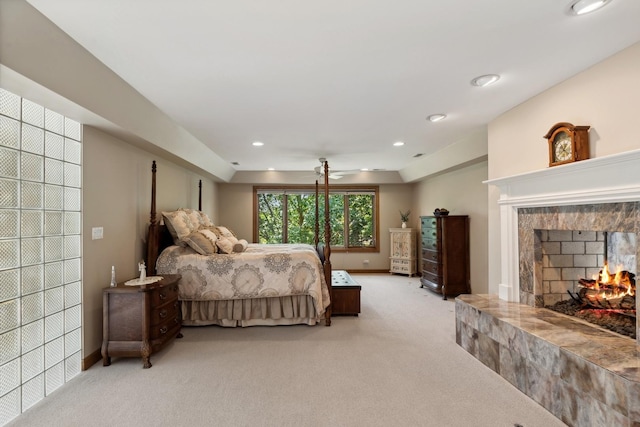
162, 314
163, 295
164, 329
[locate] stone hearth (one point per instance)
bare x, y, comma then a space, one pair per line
584, 375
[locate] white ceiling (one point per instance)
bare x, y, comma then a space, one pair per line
341, 79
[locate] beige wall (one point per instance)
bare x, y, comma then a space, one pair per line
605, 97
461, 192
236, 212
393, 199
235, 209
117, 196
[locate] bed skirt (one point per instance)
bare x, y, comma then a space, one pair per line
272, 311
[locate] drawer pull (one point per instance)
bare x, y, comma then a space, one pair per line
162, 295
175, 304
176, 321
164, 330
163, 314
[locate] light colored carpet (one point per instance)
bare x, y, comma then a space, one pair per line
397, 364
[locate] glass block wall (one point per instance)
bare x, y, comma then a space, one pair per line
40, 252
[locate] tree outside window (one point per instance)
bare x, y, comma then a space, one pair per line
287, 215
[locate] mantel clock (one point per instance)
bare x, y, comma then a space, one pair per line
567, 143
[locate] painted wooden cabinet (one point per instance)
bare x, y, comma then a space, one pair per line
403, 251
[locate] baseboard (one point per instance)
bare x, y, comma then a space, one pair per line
91, 359
369, 271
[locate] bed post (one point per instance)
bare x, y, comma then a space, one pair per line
317, 224
153, 236
327, 243
200, 195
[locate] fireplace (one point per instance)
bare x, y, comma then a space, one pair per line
597, 195
589, 275
561, 245
583, 374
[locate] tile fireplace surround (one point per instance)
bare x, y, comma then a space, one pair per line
582, 374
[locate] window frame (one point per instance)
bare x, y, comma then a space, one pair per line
335, 188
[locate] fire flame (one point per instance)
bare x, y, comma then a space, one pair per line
613, 286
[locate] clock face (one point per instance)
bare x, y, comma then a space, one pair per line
562, 148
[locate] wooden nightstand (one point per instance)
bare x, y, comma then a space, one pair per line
140, 320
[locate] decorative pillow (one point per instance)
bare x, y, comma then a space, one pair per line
198, 218
179, 225
225, 246
224, 232
241, 246
210, 235
200, 244
194, 217
206, 221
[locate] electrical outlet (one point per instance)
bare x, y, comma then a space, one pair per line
365, 262
97, 233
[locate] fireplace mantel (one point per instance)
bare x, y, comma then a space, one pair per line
609, 179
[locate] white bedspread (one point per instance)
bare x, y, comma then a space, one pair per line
262, 271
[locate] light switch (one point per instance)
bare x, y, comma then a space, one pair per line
96, 233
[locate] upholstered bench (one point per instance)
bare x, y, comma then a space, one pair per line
346, 294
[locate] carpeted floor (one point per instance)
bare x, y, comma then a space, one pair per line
397, 364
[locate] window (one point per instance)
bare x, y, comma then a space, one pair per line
286, 214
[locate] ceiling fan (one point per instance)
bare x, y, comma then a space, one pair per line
333, 174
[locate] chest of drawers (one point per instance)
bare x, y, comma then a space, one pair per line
139, 320
445, 254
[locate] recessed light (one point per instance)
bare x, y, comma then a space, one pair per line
364, 169
398, 144
271, 169
580, 7
258, 144
485, 80
436, 117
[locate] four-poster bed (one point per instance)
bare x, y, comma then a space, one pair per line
246, 285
